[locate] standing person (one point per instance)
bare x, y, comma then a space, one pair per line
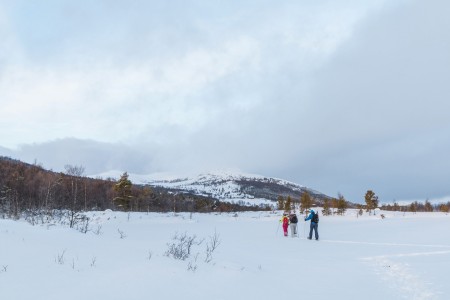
285, 221
293, 220
314, 217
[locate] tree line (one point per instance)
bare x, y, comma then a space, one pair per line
339, 205
418, 207
29, 187
331, 206
372, 202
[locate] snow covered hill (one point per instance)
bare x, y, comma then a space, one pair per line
233, 186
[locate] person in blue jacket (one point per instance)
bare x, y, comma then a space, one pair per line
314, 217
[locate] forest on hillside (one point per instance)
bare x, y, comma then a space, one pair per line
27, 188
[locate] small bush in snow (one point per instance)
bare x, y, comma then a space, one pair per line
121, 233
83, 226
212, 245
98, 231
180, 247
60, 258
93, 261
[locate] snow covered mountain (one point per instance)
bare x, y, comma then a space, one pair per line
232, 186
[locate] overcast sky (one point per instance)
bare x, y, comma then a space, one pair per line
339, 96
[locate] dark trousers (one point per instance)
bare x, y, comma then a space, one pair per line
314, 226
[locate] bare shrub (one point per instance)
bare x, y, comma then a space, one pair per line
211, 246
60, 258
180, 247
98, 231
83, 227
192, 265
122, 234
93, 261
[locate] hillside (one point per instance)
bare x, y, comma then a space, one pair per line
229, 186
29, 186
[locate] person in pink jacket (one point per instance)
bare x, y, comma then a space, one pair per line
285, 221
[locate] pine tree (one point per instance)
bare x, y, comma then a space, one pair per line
326, 211
371, 201
413, 207
334, 205
280, 203
305, 202
341, 205
288, 204
123, 190
428, 206
396, 207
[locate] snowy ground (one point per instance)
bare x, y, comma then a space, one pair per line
403, 256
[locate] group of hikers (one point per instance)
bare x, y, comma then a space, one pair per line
290, 219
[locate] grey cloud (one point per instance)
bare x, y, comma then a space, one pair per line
382, 103
371, 115
374, 117
96, 157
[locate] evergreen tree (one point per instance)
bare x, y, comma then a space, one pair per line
396, 206
288, 204
428, 206
334, 205
413, 207
280, 203
371, 201
326, 211
305, 202
123, 191
341, 205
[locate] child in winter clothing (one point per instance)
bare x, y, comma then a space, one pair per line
293, 220
285, 221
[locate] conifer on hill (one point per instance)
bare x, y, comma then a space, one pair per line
305, 202
123, 190
371, 201
280, 203
326, 211
288, 204
428, 206
341, 205
413, 207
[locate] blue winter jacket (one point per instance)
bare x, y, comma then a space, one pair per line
311, 214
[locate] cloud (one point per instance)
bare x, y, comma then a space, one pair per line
112, 72
95, 156
380, 106
339, 97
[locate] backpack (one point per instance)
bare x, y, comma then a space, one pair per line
294, 219
315, 218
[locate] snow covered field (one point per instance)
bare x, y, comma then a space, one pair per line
404, 256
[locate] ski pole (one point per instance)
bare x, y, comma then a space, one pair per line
304, 229
278, 227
